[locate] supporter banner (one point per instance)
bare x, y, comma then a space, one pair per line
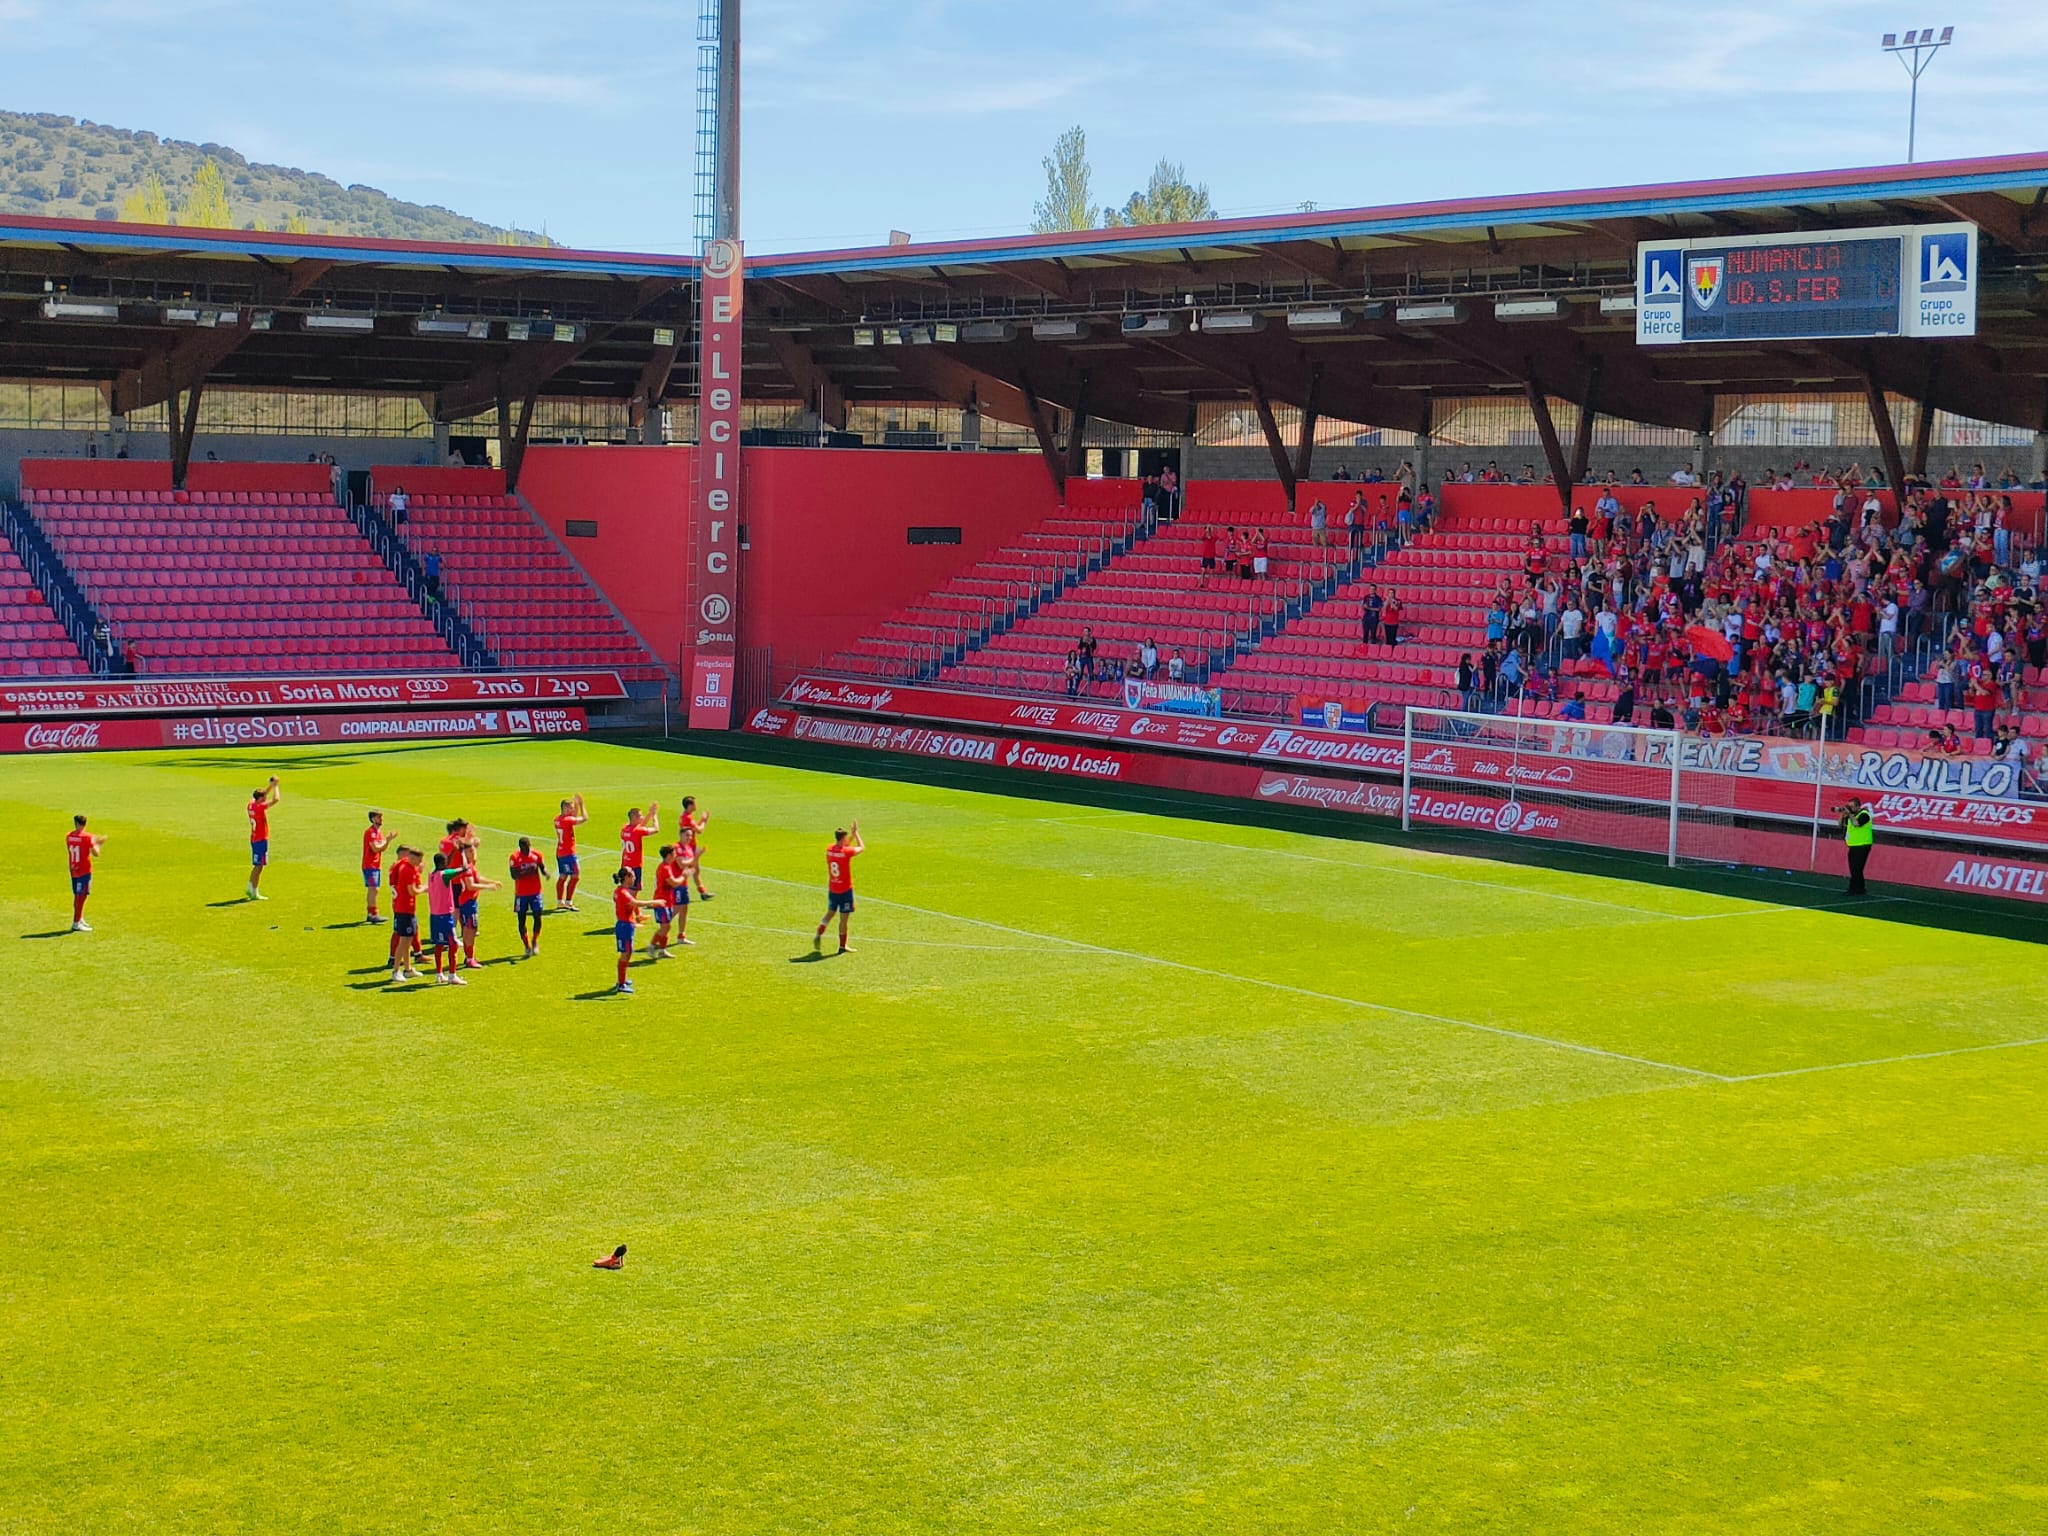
127, 734
715, 506
82, 698
1332, 714
1174, 698
2012, 879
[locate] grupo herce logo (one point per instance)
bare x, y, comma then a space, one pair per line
716, 608
721, 258
1945, 262
1661, 284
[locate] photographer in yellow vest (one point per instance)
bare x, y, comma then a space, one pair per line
1858, 834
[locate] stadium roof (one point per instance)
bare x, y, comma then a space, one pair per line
837, 326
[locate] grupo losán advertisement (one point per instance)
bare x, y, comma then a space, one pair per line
2016, 878
1931, 796
130, 734
79, 698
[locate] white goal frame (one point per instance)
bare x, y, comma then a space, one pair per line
1519, 736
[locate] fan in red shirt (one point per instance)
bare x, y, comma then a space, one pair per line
405, 922
633, 834
374, 841
839, 886
528, 870
259, 834
567, 869
79, 848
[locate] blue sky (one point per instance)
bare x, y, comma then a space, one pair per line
932, 115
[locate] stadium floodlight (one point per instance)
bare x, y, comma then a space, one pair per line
517, 330
1152, 325
988, 330
945, 332
1524, 311
664, 336
864, 336
260, 320
1916, 50
1441, 312
1332, 319
81, 309
207, 319
1236, 323
1060, 330
560, 330
326, 321
1617, 303
443, 325
894, 335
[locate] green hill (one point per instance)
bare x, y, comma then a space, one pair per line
62, 168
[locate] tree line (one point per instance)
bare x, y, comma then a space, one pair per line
1167, 197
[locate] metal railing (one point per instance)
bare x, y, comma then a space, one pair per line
452, 619
54, 580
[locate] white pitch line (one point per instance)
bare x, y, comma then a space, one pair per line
1886, 1061
1413, 874
792, 933
1501, 1031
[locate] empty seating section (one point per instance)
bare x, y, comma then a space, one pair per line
32, 642
1158, 591
216, 581
1443, 581
915, 637
530, 603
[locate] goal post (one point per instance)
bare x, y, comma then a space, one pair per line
1567, 781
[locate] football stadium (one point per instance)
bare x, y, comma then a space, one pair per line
1370, 868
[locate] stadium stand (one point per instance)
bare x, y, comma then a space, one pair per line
515, 586
973, 609
32, 642
1155, 589
219, 580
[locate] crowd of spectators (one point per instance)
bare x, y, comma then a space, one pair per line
1774, 631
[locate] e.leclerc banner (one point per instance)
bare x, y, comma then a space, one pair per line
85, 698
715, 506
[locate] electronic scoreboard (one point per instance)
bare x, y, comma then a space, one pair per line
1909, 280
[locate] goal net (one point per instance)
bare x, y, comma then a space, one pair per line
1565, 781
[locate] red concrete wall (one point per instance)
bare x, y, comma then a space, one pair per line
144, 475
829, 559
440, 479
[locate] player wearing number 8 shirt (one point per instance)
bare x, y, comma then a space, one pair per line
839, 886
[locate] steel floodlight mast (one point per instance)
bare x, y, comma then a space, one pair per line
1916, 50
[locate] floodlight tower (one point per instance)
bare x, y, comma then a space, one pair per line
1916, 50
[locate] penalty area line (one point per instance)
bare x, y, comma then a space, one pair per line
1888, 1061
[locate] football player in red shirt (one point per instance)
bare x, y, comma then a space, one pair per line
374, 841
626, 909
459, 847
79, 847
691, 823
259, 834
567, 870
405, 922
633, 834
671, 898
839, 886
528, 870
468, 886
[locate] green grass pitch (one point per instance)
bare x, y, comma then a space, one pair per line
1140, 1173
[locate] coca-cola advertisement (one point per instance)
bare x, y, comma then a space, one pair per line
88, 697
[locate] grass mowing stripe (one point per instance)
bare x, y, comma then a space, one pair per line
1887, 1061
1502, 1031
